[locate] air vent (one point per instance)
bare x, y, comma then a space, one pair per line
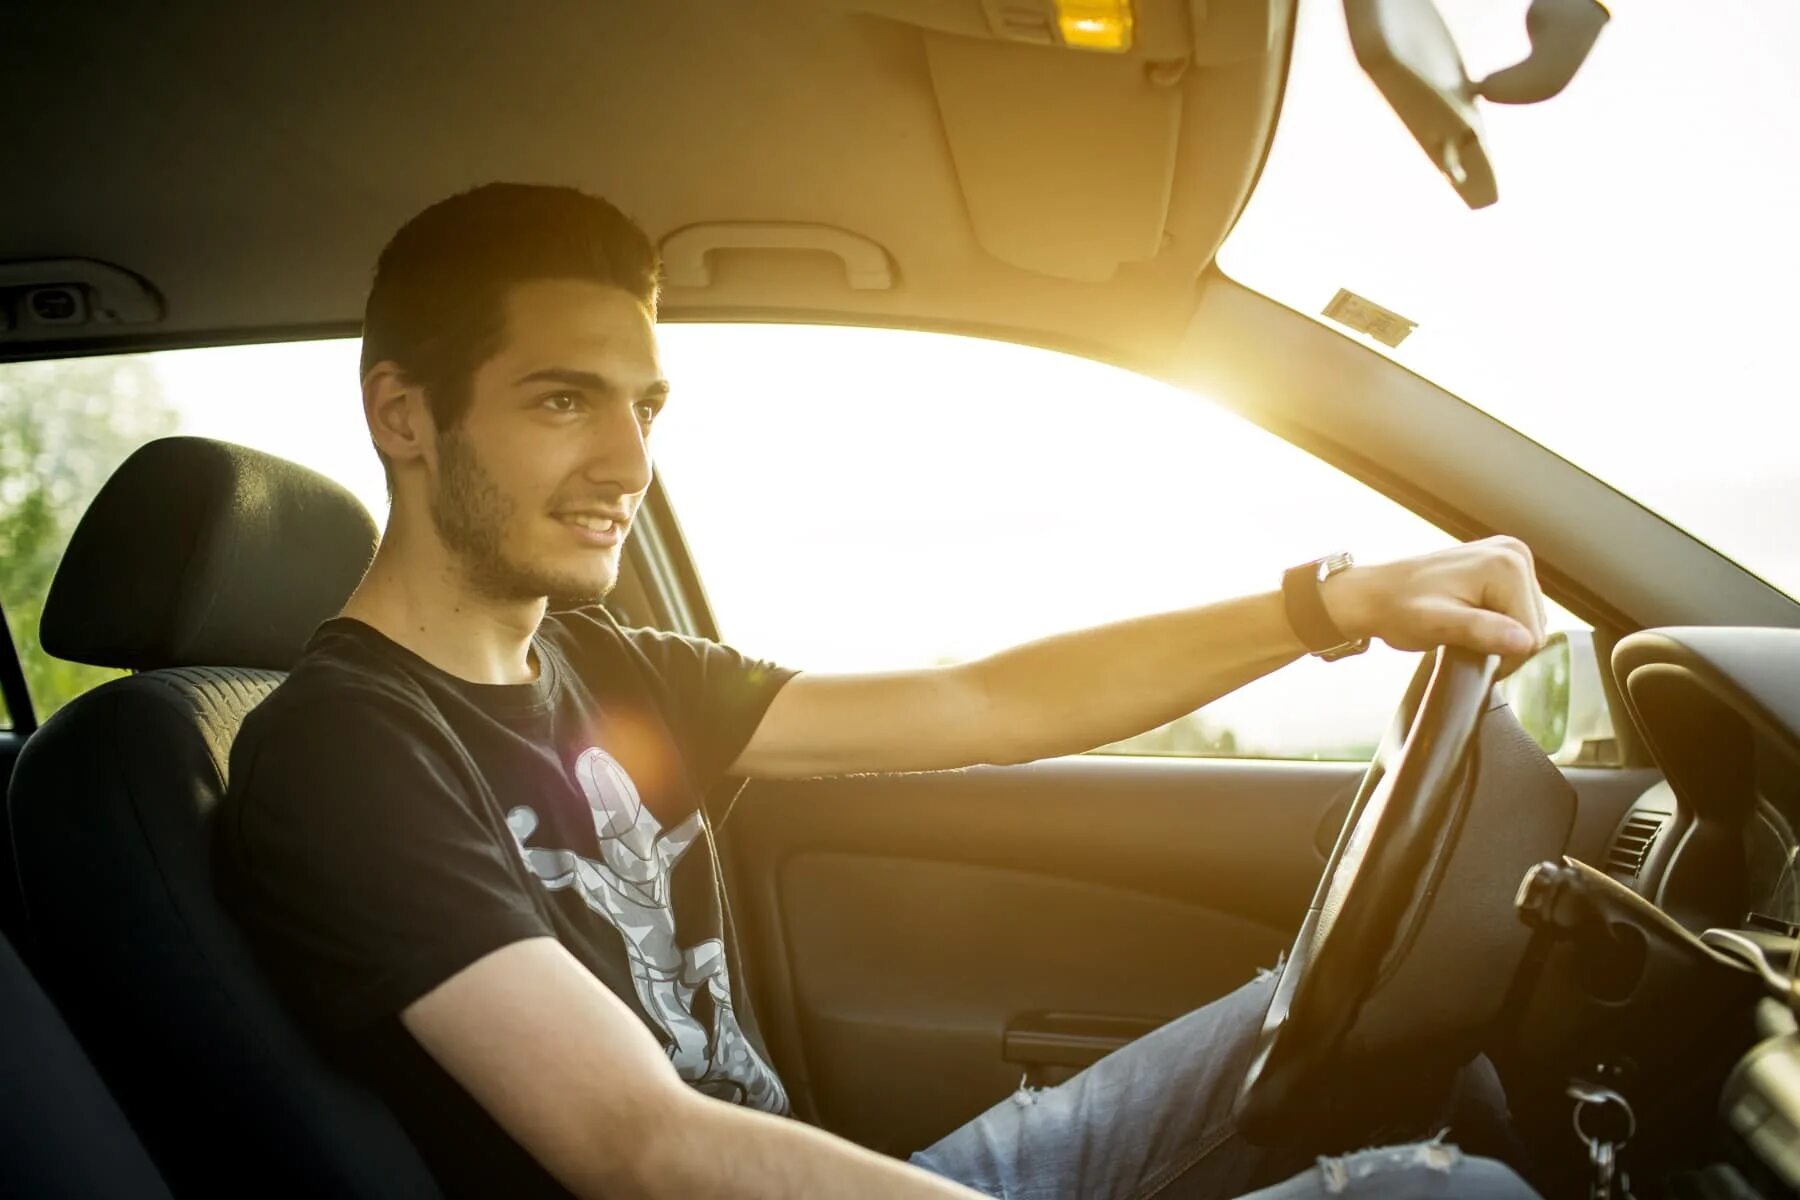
1631, 846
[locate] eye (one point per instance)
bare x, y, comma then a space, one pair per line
647, 410
562, 402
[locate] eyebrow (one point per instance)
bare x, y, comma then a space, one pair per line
592, 381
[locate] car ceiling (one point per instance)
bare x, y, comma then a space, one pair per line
249, 160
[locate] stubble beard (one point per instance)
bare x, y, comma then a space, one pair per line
473, 516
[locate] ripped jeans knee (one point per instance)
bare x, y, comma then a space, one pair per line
1411, 1172
1027, 1093
1382, 1165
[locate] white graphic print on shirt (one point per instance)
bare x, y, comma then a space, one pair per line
629, 885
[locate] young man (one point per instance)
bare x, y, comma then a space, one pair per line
464, 834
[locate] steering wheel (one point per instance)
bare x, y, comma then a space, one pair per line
1373, 929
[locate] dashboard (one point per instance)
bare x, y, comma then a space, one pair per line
1714, 846
1719, 708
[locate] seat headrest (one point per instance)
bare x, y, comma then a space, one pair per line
202, 553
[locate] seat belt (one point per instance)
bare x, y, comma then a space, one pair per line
745, 1007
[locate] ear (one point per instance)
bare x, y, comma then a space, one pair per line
399, 421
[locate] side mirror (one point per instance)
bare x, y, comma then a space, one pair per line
1406, 49
1560, 699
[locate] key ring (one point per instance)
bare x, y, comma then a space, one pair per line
1585, 1095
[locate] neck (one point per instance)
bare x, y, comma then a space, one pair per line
416, 593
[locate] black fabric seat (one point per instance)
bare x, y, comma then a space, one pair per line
204, 567
61, 1133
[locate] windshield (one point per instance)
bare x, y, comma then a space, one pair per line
1629, 302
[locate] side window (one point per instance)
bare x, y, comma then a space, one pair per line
871, 499
66, 424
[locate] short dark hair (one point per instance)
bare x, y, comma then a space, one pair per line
437, 306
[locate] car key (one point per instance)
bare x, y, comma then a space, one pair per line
1603, 1159
1605, 1122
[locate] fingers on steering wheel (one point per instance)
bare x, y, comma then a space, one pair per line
1511, 591
1541, 630
1485, 627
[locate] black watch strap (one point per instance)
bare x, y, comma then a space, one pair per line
1306, 612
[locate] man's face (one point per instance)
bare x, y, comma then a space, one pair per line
537, 487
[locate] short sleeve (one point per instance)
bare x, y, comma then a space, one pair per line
712, 696
361, 861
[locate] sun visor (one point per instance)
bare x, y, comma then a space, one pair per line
1065, 158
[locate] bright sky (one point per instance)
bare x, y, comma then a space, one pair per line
862, 499
1630, 301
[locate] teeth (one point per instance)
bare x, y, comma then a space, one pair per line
597, 524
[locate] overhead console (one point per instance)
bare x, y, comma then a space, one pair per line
67, 299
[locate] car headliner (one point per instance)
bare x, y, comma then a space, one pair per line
250, 160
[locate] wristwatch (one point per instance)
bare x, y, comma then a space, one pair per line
1305, 602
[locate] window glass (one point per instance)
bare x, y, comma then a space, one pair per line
1629, 299
63, 427
855, 500
876, 499
66, 424
6, 716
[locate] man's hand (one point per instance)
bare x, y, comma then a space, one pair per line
1483, 595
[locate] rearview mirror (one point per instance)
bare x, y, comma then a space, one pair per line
1406, 49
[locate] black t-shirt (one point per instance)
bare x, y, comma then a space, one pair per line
388, 824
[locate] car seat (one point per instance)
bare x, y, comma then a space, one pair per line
202, 567
61, 1133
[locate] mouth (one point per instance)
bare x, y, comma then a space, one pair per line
594, 528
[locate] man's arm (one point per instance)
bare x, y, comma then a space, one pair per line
577, 1080
1070, 693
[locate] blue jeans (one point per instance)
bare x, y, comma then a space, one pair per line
1154, 1120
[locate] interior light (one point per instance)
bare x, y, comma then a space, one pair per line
1095, 24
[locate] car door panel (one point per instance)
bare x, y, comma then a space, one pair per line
899, 925
908, 974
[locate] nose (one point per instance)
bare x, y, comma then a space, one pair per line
619, 453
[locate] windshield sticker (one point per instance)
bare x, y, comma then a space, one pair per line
1365, 316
